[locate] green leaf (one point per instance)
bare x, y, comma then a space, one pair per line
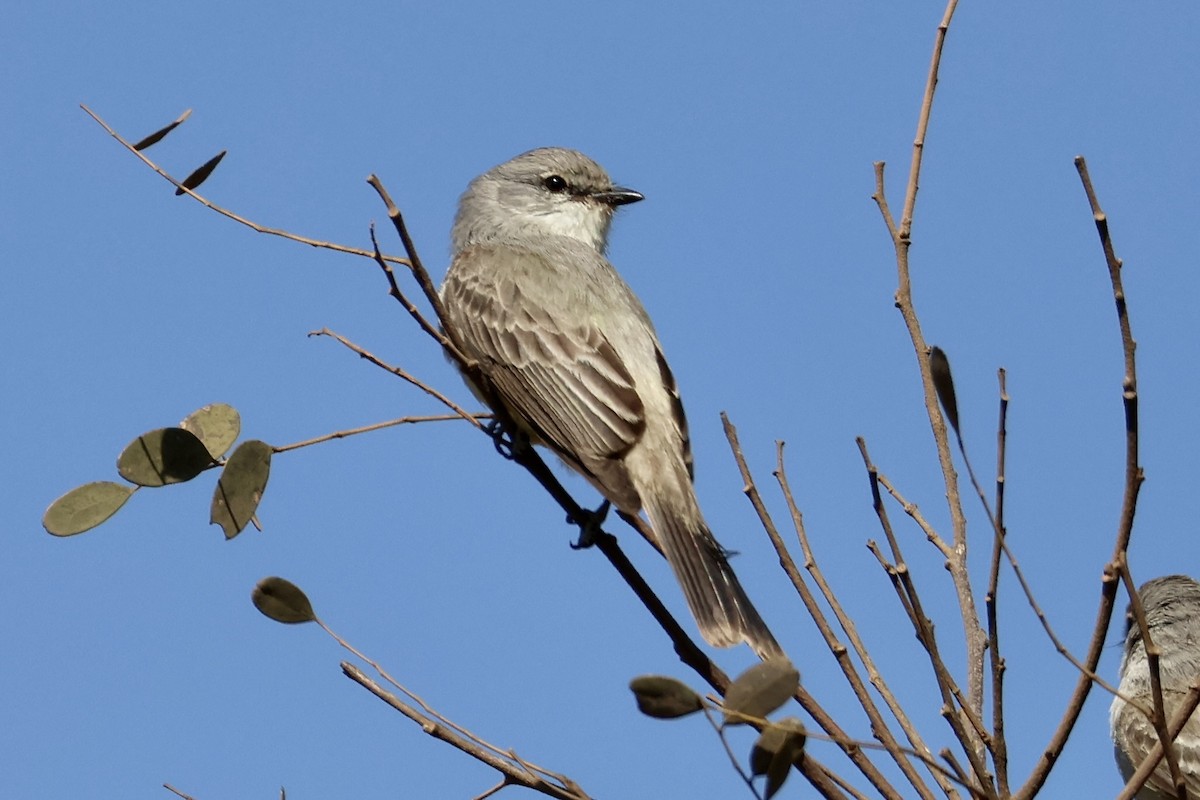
163, 456
282, 601
664, 698
241, 487
777, 748
217, 425
760, 690
85, 507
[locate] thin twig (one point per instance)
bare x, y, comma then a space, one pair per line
914, 172
733, 759
901, 234
851, 748
355, 251
828, 784
400, 373
1000, 749
503, 782
879, 727
514, 773
377, 426
947, 774
414, 260
428, 717
914, 513
395, 291
1133, 482
1000, 543
983, 738
952, 696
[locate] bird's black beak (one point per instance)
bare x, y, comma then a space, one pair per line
618, 196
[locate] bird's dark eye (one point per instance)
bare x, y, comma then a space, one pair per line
555, 183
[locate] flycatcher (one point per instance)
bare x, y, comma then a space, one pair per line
573, 358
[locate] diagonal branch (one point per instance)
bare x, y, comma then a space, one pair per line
879, 727
809, 703
974, 737
258, 228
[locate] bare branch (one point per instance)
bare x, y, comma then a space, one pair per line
1000, 751
395, 291
879, 727
901, 234
914, 172
414, 260
1133, 482
400, 373
835, 732
377, 426
515, 773
226, 212
906, 590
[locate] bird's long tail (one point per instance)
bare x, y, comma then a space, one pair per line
716, 598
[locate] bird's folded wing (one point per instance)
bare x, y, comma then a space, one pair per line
551, 365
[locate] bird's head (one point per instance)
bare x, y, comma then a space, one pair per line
551, 191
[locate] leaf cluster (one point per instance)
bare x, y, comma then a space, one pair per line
166, 456
754, 695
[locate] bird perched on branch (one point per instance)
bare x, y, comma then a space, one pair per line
573, 359
1172, 607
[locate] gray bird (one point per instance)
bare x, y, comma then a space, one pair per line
1172, 606
574, 360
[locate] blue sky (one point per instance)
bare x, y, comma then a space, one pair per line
133, 656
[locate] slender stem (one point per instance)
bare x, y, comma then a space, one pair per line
973, 633
1133, 482
1000, 750
226, 212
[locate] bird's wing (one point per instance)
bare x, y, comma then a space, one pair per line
1138, 739
549, 361
668, 379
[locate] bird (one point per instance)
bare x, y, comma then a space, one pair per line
1172, 608
573, 360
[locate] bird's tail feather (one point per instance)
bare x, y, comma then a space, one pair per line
716, 598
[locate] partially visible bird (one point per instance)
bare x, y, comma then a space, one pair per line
1172, 606
573, 358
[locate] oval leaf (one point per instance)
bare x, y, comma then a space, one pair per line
241, 487
217, 425
664, 698
282, 601
943, 382
85, 507
760, 690
201, 173
163, 456
777, 748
